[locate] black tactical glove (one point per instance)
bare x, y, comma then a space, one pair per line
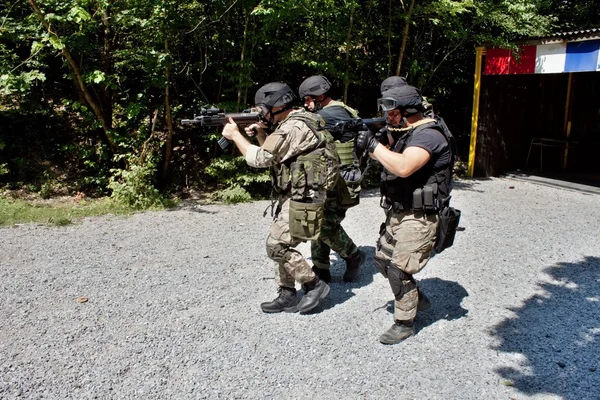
366, 141
382, 136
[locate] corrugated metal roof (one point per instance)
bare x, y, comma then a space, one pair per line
571, 36
580, 35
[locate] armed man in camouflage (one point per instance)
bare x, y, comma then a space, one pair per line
315, 93
294, 151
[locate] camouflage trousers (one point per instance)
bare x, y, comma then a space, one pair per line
405, 243
333, 236
290, 264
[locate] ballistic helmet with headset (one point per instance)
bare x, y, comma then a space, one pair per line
406, 98
274, 94
314, 86
391, 82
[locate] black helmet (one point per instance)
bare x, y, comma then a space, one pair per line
392, 81
274, 94
314, 86
407, 98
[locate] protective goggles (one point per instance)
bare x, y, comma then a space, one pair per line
387, 104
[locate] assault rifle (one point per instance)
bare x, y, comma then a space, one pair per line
214, 116
348, 130
358, 124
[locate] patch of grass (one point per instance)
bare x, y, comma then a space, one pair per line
60, 213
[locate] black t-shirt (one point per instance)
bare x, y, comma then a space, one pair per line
435, 143
332, 115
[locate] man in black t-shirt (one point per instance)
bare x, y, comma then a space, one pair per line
416, 183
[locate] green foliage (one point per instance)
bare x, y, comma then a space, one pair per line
134, 186
241, 183
145, 64
14, 211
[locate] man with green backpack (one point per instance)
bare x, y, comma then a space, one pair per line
315, 93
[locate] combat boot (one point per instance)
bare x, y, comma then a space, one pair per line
314, 291
353, 264
323, 274
424, 303
287, 301
398, 332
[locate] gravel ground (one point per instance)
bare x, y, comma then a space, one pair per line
173, 307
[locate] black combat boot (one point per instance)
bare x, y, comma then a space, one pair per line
353, 264
314, 291
424, 303
286, 301
398, 332
323, 274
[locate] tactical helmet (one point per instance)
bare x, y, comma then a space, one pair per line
314, 86
274, 94
406, 98
392, 81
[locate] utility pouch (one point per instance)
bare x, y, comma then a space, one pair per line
428, 202
417, 201
298, 179
349, 193
305, 220
448, 222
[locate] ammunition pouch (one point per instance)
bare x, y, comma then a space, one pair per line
306, 219
348, 193
427, 199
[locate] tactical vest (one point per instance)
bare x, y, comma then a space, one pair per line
351, 111
308, 177
427, 189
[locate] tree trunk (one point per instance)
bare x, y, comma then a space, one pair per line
168, 118
106, 94
242, 69
389, 42
106, 124
348, 38
405, 37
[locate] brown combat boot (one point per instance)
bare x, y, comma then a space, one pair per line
400, 331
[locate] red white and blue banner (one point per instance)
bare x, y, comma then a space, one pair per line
545, 59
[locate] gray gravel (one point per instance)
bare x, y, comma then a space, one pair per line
173, 309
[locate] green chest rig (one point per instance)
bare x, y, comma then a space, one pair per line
308, 177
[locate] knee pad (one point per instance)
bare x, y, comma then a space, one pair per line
276, 251
381, 265
400, 281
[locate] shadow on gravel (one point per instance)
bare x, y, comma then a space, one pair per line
189, 206
558, 334
468, 184
340, 291
446, 298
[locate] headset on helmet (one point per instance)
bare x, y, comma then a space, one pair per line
406, 98
392, 81
314, 86
274, 94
